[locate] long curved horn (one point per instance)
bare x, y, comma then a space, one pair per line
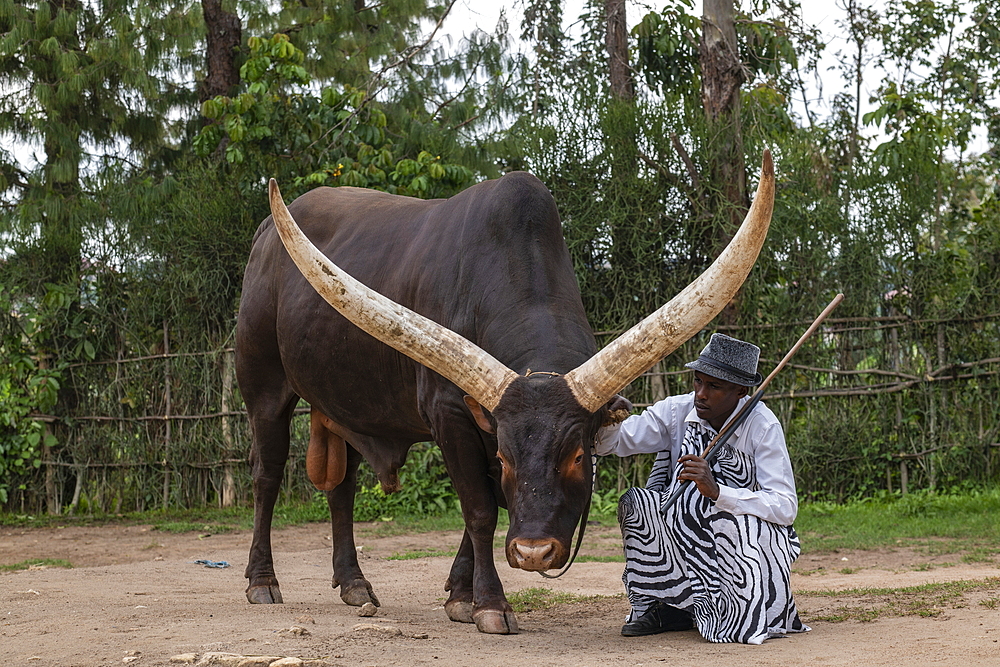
423, 340
662, 332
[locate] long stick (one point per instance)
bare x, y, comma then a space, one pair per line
723, 436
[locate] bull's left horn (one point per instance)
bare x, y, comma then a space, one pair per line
423, 340
634, 352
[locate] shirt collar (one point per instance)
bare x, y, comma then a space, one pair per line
692, 416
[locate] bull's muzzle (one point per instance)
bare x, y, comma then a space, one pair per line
536, 555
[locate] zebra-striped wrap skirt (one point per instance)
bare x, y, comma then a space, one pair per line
731, 572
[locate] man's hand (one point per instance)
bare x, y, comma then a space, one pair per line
696, 470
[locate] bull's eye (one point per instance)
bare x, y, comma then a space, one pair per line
579, 460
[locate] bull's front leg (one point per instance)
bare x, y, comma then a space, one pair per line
476, 593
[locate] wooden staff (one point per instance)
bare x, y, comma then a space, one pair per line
714, 447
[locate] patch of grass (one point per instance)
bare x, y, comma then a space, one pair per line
991, 603
402, 525
173, 520
935, 521
849, 613
189, 527
216, 520
421, 553
36, 562
582, 558
848, 570
947, 587
532, 599
980, 555
927, 600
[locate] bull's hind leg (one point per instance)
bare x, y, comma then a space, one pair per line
267, 459
354, 588
459, 605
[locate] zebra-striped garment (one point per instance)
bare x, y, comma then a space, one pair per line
731, 572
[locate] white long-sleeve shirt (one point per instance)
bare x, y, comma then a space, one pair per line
661, 427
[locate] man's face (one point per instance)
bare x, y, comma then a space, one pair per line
715, 399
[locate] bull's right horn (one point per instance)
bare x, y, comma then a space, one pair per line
423, 340
609, 371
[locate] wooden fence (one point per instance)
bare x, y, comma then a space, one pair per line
873, 404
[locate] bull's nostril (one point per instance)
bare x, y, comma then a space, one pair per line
534, 556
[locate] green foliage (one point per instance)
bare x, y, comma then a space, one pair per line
339, 137
668, 49
31, 377
71, 79
426, 490
604, 504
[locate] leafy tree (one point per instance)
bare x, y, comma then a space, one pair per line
31, 377
339, 137
74, 80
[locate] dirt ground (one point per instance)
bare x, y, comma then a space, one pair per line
136, 596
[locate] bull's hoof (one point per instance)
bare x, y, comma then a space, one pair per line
495, 622
358, 593
459, 611
264, 594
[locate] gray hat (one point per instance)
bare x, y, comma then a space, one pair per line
729, 359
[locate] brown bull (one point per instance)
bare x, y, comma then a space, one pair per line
500, 366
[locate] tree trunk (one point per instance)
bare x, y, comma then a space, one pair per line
222, 46
722, 76
619, 119
616, 39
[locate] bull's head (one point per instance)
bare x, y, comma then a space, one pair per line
544, 423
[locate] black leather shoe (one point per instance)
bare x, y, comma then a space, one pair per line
658, 618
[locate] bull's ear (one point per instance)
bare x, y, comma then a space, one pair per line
618, 409
479, 415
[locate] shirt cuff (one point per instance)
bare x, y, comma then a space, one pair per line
727, 499
607, 440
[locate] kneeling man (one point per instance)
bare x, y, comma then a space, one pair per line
719, 558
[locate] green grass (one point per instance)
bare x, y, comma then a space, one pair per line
940, 523
584, 558
401, 525
204, 519
421, 553
532, 599
217, 521
36, 562
927, 600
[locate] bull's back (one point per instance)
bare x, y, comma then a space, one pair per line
447, 259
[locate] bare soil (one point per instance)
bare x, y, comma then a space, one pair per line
136, 596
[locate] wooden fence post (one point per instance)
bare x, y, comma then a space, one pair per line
166, 416
228, 484
52, 502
